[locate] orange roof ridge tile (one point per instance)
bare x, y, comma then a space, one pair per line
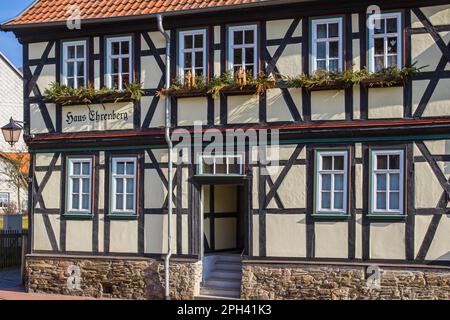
46, 11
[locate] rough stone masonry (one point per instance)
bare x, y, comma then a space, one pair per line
112, 277
284, 281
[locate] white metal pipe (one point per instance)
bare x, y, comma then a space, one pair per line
170, 148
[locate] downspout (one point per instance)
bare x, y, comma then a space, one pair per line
170, 148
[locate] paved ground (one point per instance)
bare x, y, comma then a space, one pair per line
11, 289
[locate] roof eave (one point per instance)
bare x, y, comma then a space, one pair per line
13, 27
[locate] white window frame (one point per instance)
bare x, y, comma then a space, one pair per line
315, 40
80, 177
66, 60
373, 36
214, 158
193, 50
320, 172
114, 177
110, 57
232, 46
8, 199
388, 172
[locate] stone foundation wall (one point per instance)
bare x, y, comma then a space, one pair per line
121, 278
284, 281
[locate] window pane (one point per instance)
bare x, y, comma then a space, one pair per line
76, 168
338, 163
85, 202
326, 200
119, 202
321, 31
125, 47
71, 52
188, 60
379, 46
119, 186
125, 79
188, 42
234, 168
199, 59
392, 25
381, 182
221, 168
80, 68
115, 81
71, 82
334, 65
381, 28
207, 169
249, 69
326, 182
125, 65
394, 182
333, 30
75, 201
394, 161
86, 168
130, 186
249, 37
115, 48
379, 64
321, 65
249, 55
130, 168
85, 186
115, 65
237, 56
80, 51
334, 49
238, 37
382, 162
75, 186
327, 163
71, 69
129, 202
321, 50
120, 167
381, 200
199, 41
339, 200
339, 182
392, 61
394, 203
392, 45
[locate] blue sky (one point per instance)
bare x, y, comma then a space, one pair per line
8, 42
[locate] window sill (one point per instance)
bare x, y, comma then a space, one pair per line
330, 216
78, 216
116, 216
386, 217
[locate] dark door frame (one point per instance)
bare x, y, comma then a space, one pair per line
197, 221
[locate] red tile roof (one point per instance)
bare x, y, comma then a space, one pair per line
45, 11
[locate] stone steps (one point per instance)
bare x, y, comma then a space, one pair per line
224, 280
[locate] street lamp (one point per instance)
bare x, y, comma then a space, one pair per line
11, 132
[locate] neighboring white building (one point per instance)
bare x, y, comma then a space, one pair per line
11, 105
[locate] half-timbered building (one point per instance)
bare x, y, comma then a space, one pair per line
360, 190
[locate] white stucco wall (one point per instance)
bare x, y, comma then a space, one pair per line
11, 105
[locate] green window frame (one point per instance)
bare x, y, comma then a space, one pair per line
123, 185
387, 181
331, 182
79, 188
